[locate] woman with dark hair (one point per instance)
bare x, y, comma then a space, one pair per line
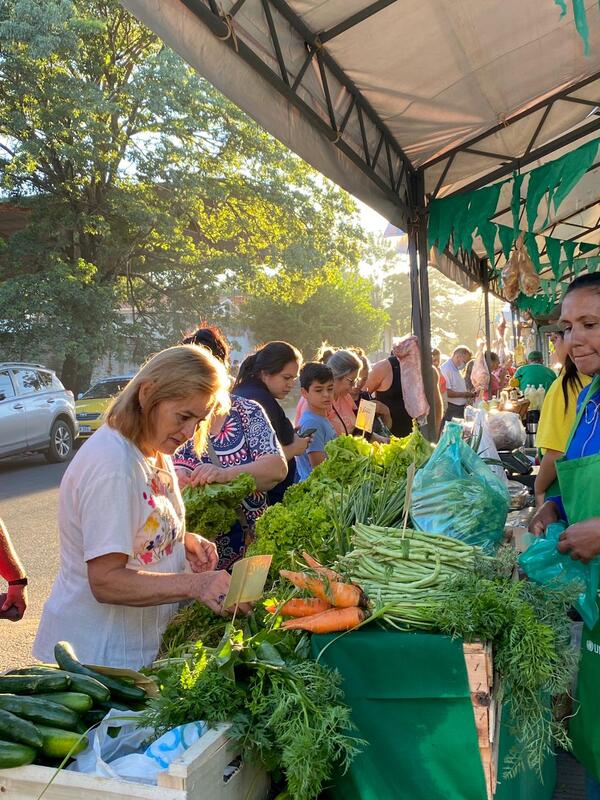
241, 441
267, 376
577, 504
557, 418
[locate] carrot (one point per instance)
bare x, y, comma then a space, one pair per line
304, 607
340, 595
336, 619
320, 569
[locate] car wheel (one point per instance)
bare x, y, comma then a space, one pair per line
61, 442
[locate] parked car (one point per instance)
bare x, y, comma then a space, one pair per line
37, 413
91, 405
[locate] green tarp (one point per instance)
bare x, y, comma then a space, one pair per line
410, 700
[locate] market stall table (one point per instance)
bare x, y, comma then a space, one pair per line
411, 701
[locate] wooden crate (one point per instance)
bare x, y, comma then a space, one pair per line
486, 708
197, 775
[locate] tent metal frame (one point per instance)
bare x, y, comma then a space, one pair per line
402, 182
394, 179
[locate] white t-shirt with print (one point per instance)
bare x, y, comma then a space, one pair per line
112, 500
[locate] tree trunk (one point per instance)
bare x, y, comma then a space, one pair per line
76, 374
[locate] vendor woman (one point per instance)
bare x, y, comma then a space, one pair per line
123, 546
579, 502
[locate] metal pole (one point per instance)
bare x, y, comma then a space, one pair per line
425, 336
486, 303
415, 295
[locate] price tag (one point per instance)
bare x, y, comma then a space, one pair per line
366, 415
248, 579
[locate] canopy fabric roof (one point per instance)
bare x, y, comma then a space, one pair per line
372, 91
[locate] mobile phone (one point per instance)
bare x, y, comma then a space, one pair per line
307, 432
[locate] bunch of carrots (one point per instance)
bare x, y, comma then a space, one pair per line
334, 605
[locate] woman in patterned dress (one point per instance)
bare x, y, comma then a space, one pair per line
241, 441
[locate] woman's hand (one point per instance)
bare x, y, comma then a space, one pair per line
201, 553
582, 540
208, 473
16, 599
299, 445
183, 476
212, 591
543, 517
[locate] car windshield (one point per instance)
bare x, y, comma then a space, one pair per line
104, 390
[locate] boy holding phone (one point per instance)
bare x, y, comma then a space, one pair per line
316, 386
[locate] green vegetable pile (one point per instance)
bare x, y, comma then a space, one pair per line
358, 482
288, 712
432, 582
210, 509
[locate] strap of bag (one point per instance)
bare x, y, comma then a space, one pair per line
594, 385
247, 527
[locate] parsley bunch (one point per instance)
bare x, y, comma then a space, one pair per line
288, 712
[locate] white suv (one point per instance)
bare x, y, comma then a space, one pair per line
37, 413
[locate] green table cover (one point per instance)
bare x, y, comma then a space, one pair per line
410, 700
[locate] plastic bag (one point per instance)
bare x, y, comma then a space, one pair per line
510, 278
458, 495
506, 429
408, 354
124, 756
480, 433
480, 374
543, 563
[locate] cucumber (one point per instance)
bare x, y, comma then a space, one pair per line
19, 730
106, 707
79, 683
67, 660
15, 755
33, 684
59, 743
94, 717
36, 710
76, 701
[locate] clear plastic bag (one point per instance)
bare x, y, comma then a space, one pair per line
543, 563
506, 429
458, 495
124, 756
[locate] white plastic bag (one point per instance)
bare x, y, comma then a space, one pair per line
487, 447
124, 756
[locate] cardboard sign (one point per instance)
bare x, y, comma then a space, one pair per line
248, 579
366, 415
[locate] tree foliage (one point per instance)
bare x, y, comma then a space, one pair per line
337, 308
147, 190
456, 315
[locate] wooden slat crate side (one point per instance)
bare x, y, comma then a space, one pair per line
26, 783
197, 775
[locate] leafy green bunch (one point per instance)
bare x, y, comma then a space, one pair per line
210, 509
400, 453
288, 712
358, 482
530, 631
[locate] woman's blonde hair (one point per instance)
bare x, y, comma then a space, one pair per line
174, 374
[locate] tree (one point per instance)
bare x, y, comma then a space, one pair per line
147, 189
456, 315
338, 309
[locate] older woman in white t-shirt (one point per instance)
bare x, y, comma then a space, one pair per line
123, 544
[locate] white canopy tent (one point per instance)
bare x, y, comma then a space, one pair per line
399, 101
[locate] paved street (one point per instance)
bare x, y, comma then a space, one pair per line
28, 506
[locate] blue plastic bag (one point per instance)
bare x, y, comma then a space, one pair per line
458, 495
544, 564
